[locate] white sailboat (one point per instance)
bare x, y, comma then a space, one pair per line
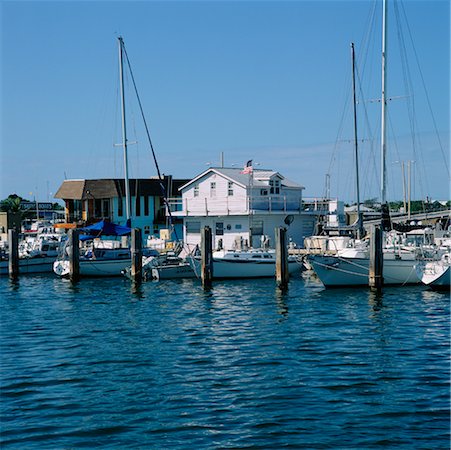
436, 272
350, 267
106, 259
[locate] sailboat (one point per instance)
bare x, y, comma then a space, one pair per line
105, 257
350, 266
436, 273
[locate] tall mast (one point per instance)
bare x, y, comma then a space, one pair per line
124, 130
356, 150
384, 104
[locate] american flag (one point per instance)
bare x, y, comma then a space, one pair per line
248, 167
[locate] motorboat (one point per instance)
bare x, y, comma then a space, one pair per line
251, 263
166, 266
37, 253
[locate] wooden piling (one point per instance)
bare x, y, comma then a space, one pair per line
282, 272
206, 250
376, 266
136, 251
74, 255
13, 245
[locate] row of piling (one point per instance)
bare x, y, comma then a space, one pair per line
282, 273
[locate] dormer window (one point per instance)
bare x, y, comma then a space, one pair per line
274, 186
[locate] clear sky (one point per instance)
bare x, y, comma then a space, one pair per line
268, 81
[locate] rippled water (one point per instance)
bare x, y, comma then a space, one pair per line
169, 366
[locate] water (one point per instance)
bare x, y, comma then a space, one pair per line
169, 366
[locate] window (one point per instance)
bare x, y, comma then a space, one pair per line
196, 190
219, 228
120, 206
106, 208
238, 226
138, 205
193, 227
263, 191
213, 189
274, 186
97, 208
78, 209
230, 188
146, 229
146, 205
257, 227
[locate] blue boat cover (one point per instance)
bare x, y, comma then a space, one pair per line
103, 228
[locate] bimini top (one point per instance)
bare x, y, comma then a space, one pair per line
104, 228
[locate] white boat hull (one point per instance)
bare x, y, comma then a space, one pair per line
94, 268
172, 271
223, 268
435, 274
31, 265
342, 272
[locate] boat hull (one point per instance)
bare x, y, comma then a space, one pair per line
31, 265
93, 268
223, 269
172, 271
435, 275
347, 272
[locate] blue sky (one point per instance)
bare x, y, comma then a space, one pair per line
268, 81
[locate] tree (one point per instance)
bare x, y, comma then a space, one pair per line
11, 204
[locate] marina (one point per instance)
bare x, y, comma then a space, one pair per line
207, 248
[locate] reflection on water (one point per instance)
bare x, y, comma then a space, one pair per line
169, 365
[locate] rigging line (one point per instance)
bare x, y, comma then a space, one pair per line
410, 102
367, 39
425, 90
116, 125
334, 159
372, 154
133, 121
161, 179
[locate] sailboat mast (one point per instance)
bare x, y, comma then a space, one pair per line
124, 130
384, 104
356, 148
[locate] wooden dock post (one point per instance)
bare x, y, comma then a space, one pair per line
74, 255
136, 251
375, 276
206, 250
282, 272
13, 245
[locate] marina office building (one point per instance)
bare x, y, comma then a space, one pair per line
245, 208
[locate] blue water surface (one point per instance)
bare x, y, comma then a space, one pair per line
101, 364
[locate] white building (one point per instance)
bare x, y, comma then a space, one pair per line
243, 208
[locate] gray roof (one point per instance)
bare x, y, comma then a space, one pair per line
260, 177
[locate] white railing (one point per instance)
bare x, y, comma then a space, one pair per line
235, 205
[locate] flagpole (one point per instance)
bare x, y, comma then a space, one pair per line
251, 185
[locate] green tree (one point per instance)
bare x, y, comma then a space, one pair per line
11, 204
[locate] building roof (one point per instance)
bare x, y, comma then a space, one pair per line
259, 179
115, 187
